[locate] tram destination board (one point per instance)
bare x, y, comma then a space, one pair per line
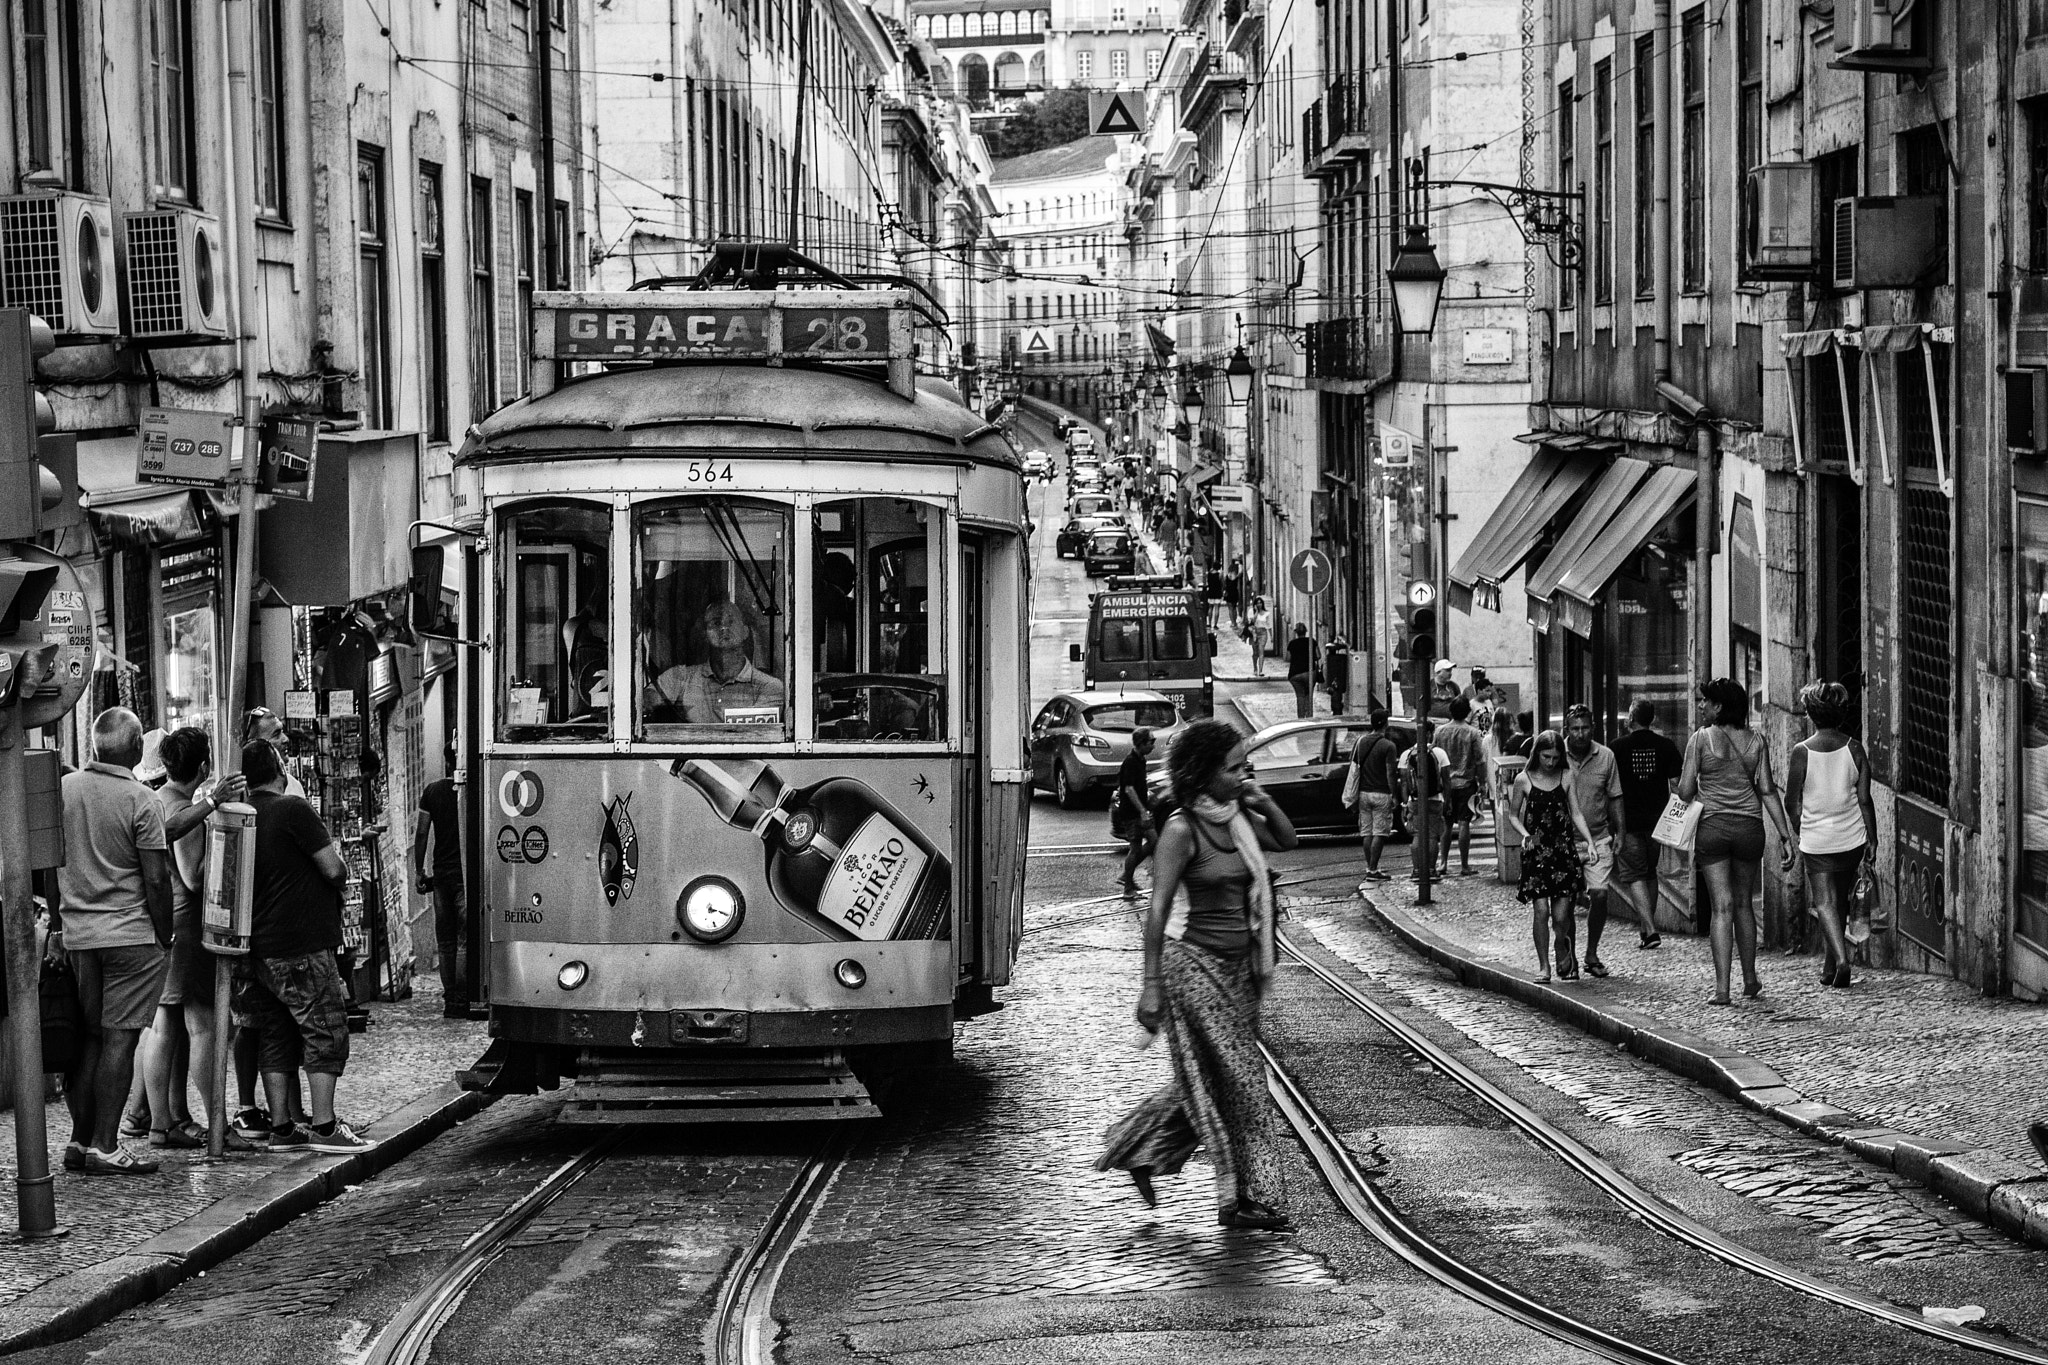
720, 326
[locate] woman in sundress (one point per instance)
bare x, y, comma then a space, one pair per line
1542, 807
1207, 962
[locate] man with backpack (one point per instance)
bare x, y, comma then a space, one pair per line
1374, 757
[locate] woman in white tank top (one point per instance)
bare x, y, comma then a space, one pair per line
1827, 796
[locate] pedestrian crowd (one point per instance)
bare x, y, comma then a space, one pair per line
127, 926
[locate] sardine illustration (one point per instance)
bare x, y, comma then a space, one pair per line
618, 851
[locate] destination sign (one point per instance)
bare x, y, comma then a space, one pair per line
667, 332
1146, 604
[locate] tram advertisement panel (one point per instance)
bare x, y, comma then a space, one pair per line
720, 847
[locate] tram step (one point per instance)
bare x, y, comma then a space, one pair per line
611, 1089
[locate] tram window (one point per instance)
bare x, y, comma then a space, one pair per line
1173, 637
1123, 640
557, 605
876, 645
711, 621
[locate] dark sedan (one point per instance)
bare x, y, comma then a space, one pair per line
1073, 537
1301, 763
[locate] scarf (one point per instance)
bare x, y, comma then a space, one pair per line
1259, 901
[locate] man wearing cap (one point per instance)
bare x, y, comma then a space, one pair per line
1442, 691
264, 724
116, 930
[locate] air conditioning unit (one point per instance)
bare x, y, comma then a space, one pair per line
57, 261
1878, 35
1777, 239
174, 272
2026, 412
1890, 241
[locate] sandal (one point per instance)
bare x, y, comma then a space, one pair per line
1595, 966
1719, 1000
1842, 975
1543, 975
1649, 940
1753, 989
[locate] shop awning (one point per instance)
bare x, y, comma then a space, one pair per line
1549, 481
1602, 505
1664, 492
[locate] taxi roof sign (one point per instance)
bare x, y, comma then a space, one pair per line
769, 327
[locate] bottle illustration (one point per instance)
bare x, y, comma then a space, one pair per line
837, 852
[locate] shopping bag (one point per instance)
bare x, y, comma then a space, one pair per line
1679, 823
1350, 785
1866, 902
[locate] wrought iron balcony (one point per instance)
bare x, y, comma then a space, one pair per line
1333, 129
1210, 78
1341, 348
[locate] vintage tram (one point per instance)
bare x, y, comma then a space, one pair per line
749, 794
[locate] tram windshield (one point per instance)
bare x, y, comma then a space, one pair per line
557, 593
877, 656
711, 620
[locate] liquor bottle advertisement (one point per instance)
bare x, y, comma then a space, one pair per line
847, 848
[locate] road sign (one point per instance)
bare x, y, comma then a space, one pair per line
1421, 592
1397, 447
1037, 344
1231, 497
1310, 572
182, 447
1115, 113
289, 446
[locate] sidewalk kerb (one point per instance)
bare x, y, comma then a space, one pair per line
1985, 1184
72, 1305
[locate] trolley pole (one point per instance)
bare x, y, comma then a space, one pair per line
34, 1191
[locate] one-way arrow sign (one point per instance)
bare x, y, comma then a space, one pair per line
1115, 113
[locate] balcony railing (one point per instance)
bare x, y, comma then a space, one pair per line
1212, 72
1333, 129
1341, 348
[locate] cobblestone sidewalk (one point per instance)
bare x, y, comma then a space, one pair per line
1919, 1053
408, 1050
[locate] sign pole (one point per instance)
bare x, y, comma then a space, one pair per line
34, 1189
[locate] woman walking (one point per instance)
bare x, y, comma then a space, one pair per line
1728, 771
1544, 811
1259, 627
1207, 963
1827, 800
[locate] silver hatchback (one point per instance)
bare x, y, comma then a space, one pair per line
1080, 739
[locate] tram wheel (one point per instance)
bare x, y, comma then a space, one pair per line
1063, 789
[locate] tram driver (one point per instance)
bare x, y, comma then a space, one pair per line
726, 688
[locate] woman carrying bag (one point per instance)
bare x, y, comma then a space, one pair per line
1728, 771
1258, 626
1827, 800
1543, 809
1207, 963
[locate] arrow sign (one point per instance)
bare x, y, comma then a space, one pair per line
1115, 113
1310, 572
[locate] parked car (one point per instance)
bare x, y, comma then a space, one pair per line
1080, 739
1092, 505
1110, 551
1037, 464
1301, 763
1073, 537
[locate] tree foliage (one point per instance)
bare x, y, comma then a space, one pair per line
1053, 121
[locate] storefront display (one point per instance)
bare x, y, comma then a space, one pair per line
2031, 889
326, 730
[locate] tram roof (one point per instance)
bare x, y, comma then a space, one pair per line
738, 410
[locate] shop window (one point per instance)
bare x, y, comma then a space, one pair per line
555, 619
711, 621
875, 620
2031, 911
189, 644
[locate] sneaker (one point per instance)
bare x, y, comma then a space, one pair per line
297, 1138
342, 1139
120, 1161
185, 1137
251, 1124
74, 1156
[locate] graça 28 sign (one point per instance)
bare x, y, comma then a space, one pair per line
755, 332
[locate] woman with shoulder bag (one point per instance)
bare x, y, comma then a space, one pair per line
1207, 963
1827, 799
1728, 771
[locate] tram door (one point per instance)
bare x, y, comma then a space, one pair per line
976, 896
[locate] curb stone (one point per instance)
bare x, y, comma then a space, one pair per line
1990, 1186
72, 1305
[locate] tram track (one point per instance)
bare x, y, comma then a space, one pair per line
742, 1326
1354, 1191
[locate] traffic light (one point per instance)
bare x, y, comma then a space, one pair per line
38, 468
1422, 637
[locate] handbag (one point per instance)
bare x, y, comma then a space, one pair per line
63, 1016
1679, 824
1867, 910
1350, 785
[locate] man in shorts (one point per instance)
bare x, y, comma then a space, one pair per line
1130, 810
1461, 743
1650, 768
116, 929
1596, 781
295, 996
1375, 755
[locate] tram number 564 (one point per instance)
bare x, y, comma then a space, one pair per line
837, 331
706, 471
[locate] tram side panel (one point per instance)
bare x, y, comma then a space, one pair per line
720, 899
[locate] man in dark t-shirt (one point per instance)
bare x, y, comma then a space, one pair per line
1301, 672
440, 824
1375, 756
1649, 766
1130, 811
295, 996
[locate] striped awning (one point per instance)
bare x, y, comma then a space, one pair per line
1549, 482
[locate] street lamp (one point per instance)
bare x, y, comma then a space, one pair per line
1417, 279
1237, 375
1159, 393
1191, 404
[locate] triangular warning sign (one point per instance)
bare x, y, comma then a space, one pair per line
1036, 342
1114, 113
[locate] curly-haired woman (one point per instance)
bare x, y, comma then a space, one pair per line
1207, 963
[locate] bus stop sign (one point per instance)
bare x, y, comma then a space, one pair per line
1310, 572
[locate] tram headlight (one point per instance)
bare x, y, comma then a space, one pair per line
851, 974
572, 975
710, 909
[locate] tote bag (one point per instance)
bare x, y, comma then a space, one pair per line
1678, 825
